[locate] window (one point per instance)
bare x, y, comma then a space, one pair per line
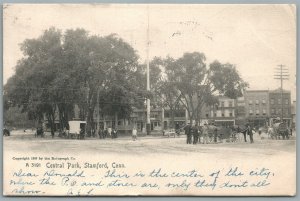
155, 116
278, 111
250, 102
230, 103
273, 111
215, 114
285, 111
263, 101
206, 115
230, 114
222, 104
180, 113
286, 101
250, 112
264, 112
167, 114
257, 102
272, 101
257, 112
223, 115
279, 101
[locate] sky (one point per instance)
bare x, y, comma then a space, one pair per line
255, 38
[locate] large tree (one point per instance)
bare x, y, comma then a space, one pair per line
31, 88
61, 70
198, 84
163, 87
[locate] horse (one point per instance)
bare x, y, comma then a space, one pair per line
39, 132
271, 133
281, 130
239, 133
6, 132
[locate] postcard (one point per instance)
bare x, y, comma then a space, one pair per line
149, 100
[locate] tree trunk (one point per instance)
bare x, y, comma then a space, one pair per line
52, 124
172, 117
50, 118
116, 120
60, 116
90, 120
190, 117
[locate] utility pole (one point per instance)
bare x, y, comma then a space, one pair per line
98, 112
281, 74
88, 107
148, 126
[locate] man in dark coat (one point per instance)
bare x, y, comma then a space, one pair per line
100, 133
105, 133
245, 133
195, 133
250, 133
177, 128
187, 130
215, 131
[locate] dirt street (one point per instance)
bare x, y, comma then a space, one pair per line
25, 142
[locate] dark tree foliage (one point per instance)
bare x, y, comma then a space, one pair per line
59, 71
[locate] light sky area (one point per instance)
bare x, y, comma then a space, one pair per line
256, 38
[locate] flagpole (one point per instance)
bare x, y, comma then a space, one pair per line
148, 126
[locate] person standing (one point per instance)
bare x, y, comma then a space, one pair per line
205, 133
81, 133
114, 133
109, 131
177, 128
195, 134
134, 134
100, 133
245, 133
105, 133
215, 132
187, 130
250, 133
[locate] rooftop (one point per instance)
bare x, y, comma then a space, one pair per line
279, 91
255, 91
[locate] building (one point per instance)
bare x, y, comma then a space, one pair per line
180, 117
156, 118
223, 113
257, 110
280, 105
293, 111
240, 111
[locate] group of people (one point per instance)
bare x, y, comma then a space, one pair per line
194, 133
108, 132
248, 131
209, 133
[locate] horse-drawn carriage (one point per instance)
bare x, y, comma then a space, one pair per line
77, 129
279, 130
219, 134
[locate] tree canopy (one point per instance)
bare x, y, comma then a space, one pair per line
62, 69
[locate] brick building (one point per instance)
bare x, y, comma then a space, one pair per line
257, 110
280, 106
240, 111
293, 111
224, 112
